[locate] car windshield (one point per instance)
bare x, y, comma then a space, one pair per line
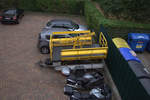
76, 26
10, 12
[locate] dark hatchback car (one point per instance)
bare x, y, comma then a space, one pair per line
11, 16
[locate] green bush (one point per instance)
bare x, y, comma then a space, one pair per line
94, 19
27, 4
60, 6
7, 3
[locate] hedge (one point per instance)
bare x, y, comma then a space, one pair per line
61, 6
127, 9
115, 27
58, 6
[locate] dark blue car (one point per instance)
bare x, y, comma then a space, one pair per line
11, 15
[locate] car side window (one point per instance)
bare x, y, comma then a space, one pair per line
73, 35
61, 36
18, 11
57, 26
67, 26
58, 36
68, 36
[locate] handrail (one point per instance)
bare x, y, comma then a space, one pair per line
102, 40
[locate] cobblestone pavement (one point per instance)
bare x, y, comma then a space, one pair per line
20, 77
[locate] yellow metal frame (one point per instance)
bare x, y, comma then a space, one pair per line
102, 40
71, 41
72, 32
79, 40
85, 39
51, 48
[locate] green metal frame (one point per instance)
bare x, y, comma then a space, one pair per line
125, 79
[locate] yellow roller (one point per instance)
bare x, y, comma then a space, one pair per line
70, 41
84, 54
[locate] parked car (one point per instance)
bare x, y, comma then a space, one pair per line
11, 15
44, 37
56, 25
66, 24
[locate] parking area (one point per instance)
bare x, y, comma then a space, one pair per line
20, 76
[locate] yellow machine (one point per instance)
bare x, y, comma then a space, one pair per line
77, 48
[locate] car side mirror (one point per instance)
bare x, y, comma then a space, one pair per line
70, 29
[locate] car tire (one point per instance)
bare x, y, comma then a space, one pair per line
17, 21
2, 22
44, 50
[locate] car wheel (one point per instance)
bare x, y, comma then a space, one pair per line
44, 50
2, 22
17, 21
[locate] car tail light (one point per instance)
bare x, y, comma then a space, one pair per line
0, 17
14, 17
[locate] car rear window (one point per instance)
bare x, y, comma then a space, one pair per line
10, 12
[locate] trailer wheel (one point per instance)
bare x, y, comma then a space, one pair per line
44, 50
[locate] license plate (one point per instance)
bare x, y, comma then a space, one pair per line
7, 18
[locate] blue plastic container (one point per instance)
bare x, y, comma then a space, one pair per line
138, 41
129, 54
148, 45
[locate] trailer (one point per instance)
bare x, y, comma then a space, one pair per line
80, 50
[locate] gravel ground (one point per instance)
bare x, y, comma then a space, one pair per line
20, 77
